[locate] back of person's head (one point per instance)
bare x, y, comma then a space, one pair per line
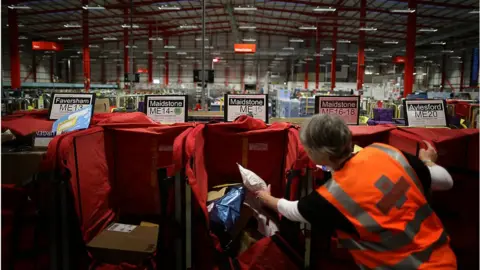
327, 139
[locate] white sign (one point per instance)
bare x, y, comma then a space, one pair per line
426, 112
119, 227
253, 105
63, 104
347, 107
166, 109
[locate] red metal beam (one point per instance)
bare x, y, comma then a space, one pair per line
150, 56
410, 50
14, 49
86, 48
361, 47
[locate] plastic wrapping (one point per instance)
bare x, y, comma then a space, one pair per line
251, 181
225, 211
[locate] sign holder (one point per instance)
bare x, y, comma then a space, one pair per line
356, 98
70, 95
185, 104
420, 101
226, 105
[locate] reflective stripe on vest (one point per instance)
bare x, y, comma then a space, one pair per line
387, 240
414, 260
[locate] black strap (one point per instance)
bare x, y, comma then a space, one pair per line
278, 240
291, 174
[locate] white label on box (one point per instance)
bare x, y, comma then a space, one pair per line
421, 113
258, 147
166, 109
43, 138
253, 105
119, 227
348, 107
165, 148
63, 104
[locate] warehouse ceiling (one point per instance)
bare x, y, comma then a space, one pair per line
454, 22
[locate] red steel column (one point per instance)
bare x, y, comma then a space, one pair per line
444, 71
125, 43
334, 57
165, 79
462, 71
14, 50
361, 47
317, 65
150, 55
86, 48
410, 50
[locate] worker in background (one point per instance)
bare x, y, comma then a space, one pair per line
198, 106
375, 200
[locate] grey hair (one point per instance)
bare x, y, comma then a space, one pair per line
327, 134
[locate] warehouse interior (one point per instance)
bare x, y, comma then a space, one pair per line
159, 134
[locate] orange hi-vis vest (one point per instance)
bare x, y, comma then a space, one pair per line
379, 193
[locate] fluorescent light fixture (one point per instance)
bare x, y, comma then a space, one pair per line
408, 10
74, 56
209, 47
428, 61
200, 39
369, 66
18, 7
278, 59
109, 38
249, 40
288, 48
367, 29
181, 53
438, 43
247, 27
190, 57
130, 26
169, 47
302, 62
93, 46
387, 56
328, 49
117, 60
168, 7
160, 57
343, 41
22, 37
420, 57
87, 7
296, 40
20, 25
307, 27
390, 42
369, 50
321, 9
308, 59
133, 46
345, 65
447, 51
188, 26
458, 62
103, 56
155, 38
284, 53
352, 55
475, 11
318, 54
147, 52
455, 57
72, 25
246, 8
427, 30
64, 38
383, 64
339, 60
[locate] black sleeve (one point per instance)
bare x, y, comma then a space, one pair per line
322, 215
421, 170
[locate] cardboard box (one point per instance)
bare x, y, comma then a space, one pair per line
102, 105
19, 167
124, 243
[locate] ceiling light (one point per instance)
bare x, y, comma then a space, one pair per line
458, 62
169, 47
22, 37
390, 42
369, 66
74, 56
427, 30
288, 48
114, 52
296, 40
181, 53
190, 57
402, 10
318, 55
383, 64
93, 46
209, 47
87, 7
103, 56
187, 26
439, 43
160, 57
428, 61
387, 56
339, 60
155, 38
18, 7
109, 38
345, 65
367, 29
352, 55
308, 59
148, 52
247, 27
447, 51
200, 39
344, 41
307, 27
133, 46
130, 26
246, 8
320, 9
455, 57
302, 62
369, 50
72, 25
475, 11
420, 57
249, 40
328, 49
167, 7
64, 38
117, 60
278, 59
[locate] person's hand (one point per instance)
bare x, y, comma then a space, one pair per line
263, 192
429, 154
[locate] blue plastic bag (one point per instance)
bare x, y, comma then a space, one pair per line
226, 210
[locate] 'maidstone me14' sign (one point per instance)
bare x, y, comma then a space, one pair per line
346, 107
167, 109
